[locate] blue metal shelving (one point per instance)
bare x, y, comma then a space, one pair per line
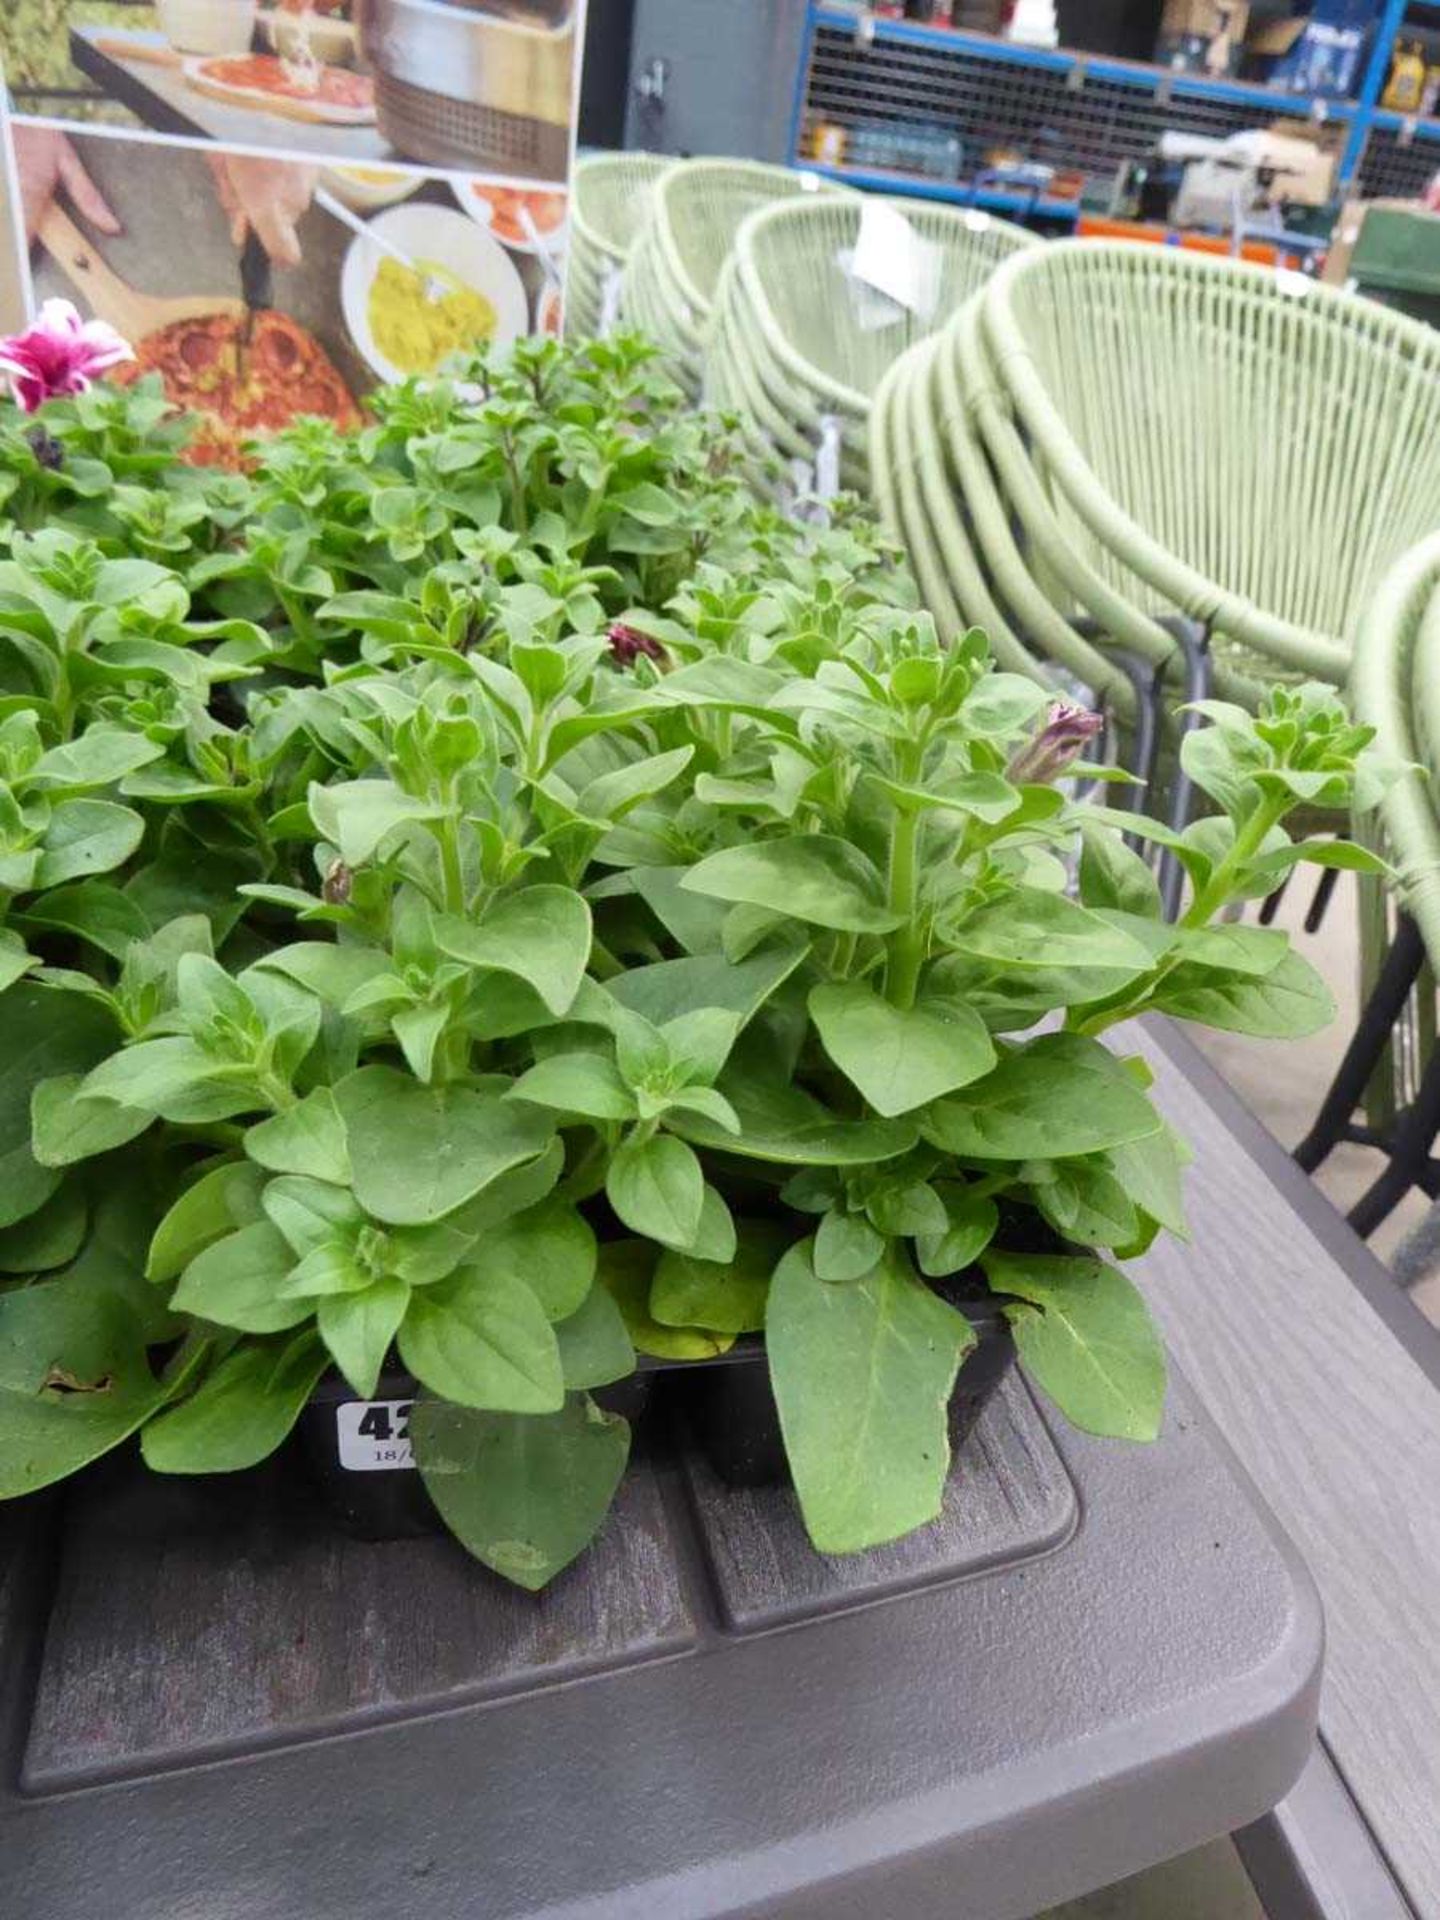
1088, 111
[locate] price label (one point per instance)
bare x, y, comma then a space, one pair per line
374, 1435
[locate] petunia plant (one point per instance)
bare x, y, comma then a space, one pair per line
513, 952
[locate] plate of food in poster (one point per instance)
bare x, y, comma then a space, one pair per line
525, 219
457, 290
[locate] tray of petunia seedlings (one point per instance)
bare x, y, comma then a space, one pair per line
447, 1027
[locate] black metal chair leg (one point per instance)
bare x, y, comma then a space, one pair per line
1378, 1016
1329, 876
1194, 643
1410, 1157
1270, 905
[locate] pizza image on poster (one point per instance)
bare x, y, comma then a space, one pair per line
326, 96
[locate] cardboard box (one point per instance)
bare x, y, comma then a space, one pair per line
1205, 18
1307, 157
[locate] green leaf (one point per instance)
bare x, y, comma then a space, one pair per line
241, 1412
311, 1213
174, 1078
48, 1238
669, 988
1087, 1339
550, 1248
358, 816
52, 1035
899, 1208
86, 837
656, 1188
846, 1247
863, 1376
308, 1138
900, 1057
587, 1084
1031, 928
812, 877
1257, 951
236, 1281
93, 909
1289, 1003
333, 974
1152, 1173
419, 1152
595, 1349
626, 1270
525, 1496
74, 1382
1111, 875
1085, 1202
540, 935
724, 1296
358, 1328
785, 1124
221, 1200
482, 1340
66, 1126
1050, 1099
971, 1223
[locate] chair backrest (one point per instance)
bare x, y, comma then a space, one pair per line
795, 255
1395, 688
610, 198
699, 207
1279, 438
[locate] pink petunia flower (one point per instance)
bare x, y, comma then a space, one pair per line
61, 353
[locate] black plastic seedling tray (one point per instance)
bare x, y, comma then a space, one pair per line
220, 1706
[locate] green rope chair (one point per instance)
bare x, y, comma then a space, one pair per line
793, 314
1252, 449
1395, 688
1391, 1065
937, 465
673, 273
609, 203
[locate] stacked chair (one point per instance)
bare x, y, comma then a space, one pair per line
1395, 688
1128, 458
609, 203
673, 270
797, 349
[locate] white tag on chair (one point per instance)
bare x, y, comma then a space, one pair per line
610, 287
827, 459
871, 309
896, 261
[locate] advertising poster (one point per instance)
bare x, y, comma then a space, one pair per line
281, 205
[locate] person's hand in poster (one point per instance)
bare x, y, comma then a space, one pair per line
45, 161
266, 196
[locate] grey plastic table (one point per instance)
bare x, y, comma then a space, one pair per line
1100, 1657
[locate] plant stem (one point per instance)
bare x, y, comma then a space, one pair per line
1248, 842
906, 946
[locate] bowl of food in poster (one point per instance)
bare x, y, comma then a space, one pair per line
207, 26
398, 324
365, 189
516, 215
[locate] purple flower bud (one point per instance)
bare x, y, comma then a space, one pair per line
335, 891
1061, 740
628, 643
46, 449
